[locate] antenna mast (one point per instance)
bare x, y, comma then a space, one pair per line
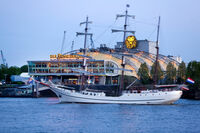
157, 48
123, 45
85, 48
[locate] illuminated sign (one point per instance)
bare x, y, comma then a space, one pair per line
60, 56
131, 42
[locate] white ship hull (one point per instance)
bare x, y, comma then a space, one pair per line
145, 97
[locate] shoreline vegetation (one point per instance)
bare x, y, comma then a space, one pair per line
170, 76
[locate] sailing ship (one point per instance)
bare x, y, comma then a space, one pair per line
158, 94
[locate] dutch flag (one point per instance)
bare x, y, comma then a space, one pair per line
189, 80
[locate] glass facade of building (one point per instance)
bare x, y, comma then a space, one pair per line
70, 71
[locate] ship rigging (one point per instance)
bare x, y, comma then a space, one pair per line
167, 95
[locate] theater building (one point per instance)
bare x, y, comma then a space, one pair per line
101, 64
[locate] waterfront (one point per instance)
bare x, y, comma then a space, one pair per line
47, 115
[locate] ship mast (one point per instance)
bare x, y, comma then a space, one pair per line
157, 53
85, 49
123, 45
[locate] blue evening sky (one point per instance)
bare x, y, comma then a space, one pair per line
33, 29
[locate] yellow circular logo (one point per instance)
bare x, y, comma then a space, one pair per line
130, 42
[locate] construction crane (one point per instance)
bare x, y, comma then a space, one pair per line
3, 59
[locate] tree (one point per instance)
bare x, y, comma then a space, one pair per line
24, 68
14, 70
193, 71
170, 73
181, 74
3, 71
6, 72
159, 71
143, 73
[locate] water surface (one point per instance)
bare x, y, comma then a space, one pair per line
41, 115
